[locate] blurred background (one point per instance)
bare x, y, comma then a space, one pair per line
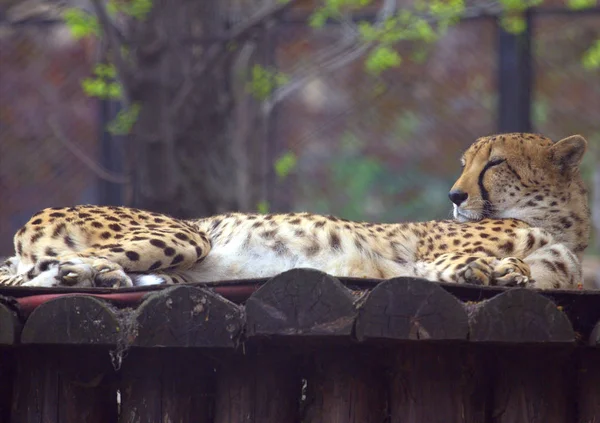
341, 107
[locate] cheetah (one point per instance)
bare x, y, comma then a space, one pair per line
521, 218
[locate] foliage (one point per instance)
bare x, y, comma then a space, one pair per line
285, 164
104, 84
124, 121
81, 23
591, 58
263, 81
421, 26
262, 207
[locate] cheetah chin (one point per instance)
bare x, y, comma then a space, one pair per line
463, 216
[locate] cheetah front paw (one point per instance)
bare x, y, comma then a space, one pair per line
477, 272
511, 271
92, 273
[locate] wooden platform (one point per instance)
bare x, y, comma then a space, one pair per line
302, 346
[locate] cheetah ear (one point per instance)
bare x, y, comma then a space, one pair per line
568, 152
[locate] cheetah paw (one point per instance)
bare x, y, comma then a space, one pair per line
94, 273
478, 272
511, 271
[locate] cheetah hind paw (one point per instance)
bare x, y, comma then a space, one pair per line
477, 272
511, 271
97, 273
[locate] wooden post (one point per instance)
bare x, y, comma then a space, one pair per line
346, 386
166, 385
166, 377
54, 384
430, 382
64, 373
9, 329
531, 371
258, 387
588, 394
298, 308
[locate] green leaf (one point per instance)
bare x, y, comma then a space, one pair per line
94, 87
381, 59
285, 164
318, 18
124, 120
139, 9
591, 58
581, 4
262, 207
514, 24
105, 70
263, 81
81, 23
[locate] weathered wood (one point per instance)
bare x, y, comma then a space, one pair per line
301, 302
408, 308
346, 386
437, 383
260, 388
185, 316
595, 335
6, 382
519, 316
76, 319
63, 385
588, 393
9, 325
533, 384
166, 385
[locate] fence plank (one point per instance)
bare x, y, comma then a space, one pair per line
6, 382
437, 383
407, 308
519, 315
346, 386
301, 302
166, 385
185, 316
9, 325
588, 394
533, 385
59, 385
261, 388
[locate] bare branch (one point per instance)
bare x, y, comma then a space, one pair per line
98, 170
112, 35
219, 50
261, 17
346, 51
350, 48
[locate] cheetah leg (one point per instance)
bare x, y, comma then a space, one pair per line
8, 273
116, 266
477, 270
554, 266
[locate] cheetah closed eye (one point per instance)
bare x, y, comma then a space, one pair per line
520, 209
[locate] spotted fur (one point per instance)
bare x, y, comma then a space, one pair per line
521, 218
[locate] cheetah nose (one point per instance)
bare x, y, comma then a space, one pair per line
457, 196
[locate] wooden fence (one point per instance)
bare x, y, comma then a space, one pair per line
301, 347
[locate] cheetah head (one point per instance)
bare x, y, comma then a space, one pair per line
521, 176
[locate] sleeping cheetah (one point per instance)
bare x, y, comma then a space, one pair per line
521, 218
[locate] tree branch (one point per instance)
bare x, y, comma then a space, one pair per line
98, 170
350, 48
219, 50
123, 72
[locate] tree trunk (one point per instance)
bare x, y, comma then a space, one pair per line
186, 159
